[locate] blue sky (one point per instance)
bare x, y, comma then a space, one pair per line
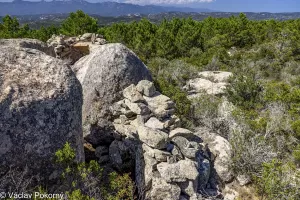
254, 5
223, 5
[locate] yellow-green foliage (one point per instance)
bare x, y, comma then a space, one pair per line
66, 154
283, 92
277, 91
296, 154
278, 181
296, 128
76, 195
120, 187
82, 178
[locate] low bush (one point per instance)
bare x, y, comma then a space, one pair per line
87, 180
205, 110
278, 181
296, 128
244, 91
296, 154
250, 151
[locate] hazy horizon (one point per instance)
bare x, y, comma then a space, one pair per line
273, 6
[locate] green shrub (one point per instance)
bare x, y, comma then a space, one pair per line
250, 151
78, 23
177, 72
296, 154
205, 110
66, 154
276, 91
76, 195
87, 181
278, 181
267, 51
120, 187
244, 91
296, 128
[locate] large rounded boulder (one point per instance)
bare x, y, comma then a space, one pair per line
103, 74
30, 44
40, 106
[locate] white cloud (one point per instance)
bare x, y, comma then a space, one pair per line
146, 2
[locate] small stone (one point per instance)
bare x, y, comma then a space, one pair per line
221, 150
137, 108
132, 94
116, 150
83, 47
181, 171
187, 148
162, 113
172, 120
177, 153
86, 36
122, 120
161, 190
154, 138
138, 121
58, 48
161, 156
126, 130
150, 167
154, 123
118, 108
100, 151
103, 159
146, 87
161, 105
181, 132
243, 179
189, 187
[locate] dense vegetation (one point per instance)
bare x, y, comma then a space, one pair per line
265, 89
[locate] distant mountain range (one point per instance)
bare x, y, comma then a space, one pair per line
20, 7
36, 21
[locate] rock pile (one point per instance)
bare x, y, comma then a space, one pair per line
209, 82
74, 48
170, 161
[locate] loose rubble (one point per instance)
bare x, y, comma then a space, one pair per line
169, 160
73, 48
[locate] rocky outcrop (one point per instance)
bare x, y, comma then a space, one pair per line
208, 82
169, 160
104, 73
73, 48
221, 152
40, 106
29, 44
